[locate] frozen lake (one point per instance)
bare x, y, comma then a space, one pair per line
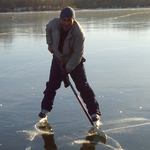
118, 59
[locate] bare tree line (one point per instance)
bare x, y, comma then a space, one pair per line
9, 5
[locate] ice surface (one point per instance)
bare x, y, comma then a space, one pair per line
117, 66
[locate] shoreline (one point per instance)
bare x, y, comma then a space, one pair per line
89, 9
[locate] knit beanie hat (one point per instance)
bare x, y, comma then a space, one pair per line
67, 12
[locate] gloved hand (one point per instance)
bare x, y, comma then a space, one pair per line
64, 75
50, 49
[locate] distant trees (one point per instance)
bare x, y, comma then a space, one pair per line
58, 4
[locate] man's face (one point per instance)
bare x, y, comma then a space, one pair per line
66, 23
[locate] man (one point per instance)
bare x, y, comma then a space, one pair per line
65, 40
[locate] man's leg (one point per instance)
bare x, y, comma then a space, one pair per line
79, 77
51, 86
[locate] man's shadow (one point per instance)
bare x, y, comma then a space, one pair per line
49, 142
92, 138
47, 134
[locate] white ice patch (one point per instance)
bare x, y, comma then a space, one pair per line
126, 120
28, 148
83, 142
36, 131
125, 125
31, 134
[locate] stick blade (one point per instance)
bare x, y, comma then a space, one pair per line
100, 132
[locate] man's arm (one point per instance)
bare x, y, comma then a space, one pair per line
77, 52
49, 38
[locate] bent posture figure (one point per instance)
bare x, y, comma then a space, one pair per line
65, 38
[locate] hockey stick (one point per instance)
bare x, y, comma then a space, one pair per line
101, 133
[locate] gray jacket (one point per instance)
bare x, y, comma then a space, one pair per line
73, 45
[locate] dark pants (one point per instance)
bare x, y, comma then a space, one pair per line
79, 77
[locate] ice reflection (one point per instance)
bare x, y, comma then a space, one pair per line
117, 53
124, 19
33, 24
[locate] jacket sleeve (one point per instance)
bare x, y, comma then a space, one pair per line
77, 52
49, 38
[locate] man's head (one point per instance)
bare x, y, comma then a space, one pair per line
67, 17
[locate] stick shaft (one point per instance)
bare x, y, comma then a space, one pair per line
75, 93
79, 100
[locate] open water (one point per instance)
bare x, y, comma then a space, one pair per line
118, 59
